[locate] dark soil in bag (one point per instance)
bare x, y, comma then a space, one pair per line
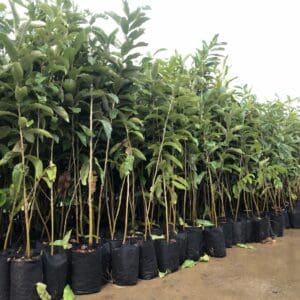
261, 229
55, 269
227, 230
24, 275
156, 231
167, 255
181, 239
215, 241
194, 246
4, 275
134, 240
294, 214
86, 271
277, 223
286, 218
148, 268
125, 264
115, 244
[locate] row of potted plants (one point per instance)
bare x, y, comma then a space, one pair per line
88, 269
98, 138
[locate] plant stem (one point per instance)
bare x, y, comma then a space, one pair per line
101, 190
166, 209
25, 199
90, 194
126, 209
52, 203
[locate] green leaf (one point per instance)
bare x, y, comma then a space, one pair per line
99, 170
75, 110
205, 223
67, 237
38, 165
204, 258
245, 246
127, 166
17, 178
84, 172
114, 97
17, 72
7, 114
236, 150
157, 237
62, 113
174, 145
41, 289
2, 7
3, 197
9, 47
29, 136
24, 122
20, 93
115, 147
182, 223
64, 242
82, 137
199, 177
86, 130
44, 108
172, 158
40, 132
68, 293
51, 172
107, 128
124, 25
178, 185
138, 134
4, 131
137, 153
164, 274
188, 263
7, 157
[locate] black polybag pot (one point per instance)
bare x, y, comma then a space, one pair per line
86, 271
55, 269
239, 232
181, 239
194, 247
24, 275
249, 230
294, 214
214, 242
286, 218
167, 254
69, 270
4, 276
277, 223
261, 229
106, 262
125, 264
148, 263
227, 230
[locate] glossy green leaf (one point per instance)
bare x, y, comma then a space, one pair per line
188, 263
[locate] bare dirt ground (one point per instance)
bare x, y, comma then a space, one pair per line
270, 271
